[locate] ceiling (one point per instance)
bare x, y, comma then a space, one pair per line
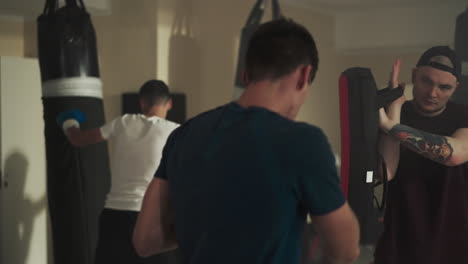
29, 9
353, 4
360, 25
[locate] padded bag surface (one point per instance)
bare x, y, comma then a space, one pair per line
359, 104
77, 178
67, 42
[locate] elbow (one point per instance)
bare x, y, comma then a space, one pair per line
454, 161
449, 163
144, 247
347, 257
143, 251
353, 255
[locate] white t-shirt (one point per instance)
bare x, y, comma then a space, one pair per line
138, 142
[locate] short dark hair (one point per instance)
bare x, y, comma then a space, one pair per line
154, 92
277, 48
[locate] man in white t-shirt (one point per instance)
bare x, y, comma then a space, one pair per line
138, 140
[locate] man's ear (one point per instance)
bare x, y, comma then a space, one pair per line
142, 105
457, 84
304, 74
245, 80
169, 104
413, 74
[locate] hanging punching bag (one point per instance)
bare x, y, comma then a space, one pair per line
360, 102
250, 26
77, 178
461, 49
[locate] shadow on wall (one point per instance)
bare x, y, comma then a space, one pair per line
20, 209
185, 58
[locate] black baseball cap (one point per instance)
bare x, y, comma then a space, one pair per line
442, 58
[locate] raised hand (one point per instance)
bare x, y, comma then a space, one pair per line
394, 80
394, 109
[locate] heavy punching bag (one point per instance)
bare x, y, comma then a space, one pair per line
360, 102
77, 178
461, 49
251, 25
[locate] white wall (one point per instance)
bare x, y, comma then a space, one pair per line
11, 36
23, 199
140, 41
398, 28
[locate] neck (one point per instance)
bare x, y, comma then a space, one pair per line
269, 95
428, 114
157, 110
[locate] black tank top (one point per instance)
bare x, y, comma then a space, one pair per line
426, 219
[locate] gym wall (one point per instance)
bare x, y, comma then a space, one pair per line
137, 42
11, 37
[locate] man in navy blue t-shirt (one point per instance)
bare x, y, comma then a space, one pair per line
237, 182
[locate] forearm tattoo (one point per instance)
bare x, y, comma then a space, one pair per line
429, 145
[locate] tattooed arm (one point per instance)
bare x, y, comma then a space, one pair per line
431, 146
448, 150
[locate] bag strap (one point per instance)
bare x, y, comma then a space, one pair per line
381, 206
75, 3
50, 7
276, 11
257, 12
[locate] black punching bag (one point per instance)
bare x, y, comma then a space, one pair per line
360, 102
250, 26
77, 178
461, 49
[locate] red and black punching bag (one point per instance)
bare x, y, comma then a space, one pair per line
77, 178
360, 101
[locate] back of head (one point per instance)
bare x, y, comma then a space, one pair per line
154, 92
442, 58
277, 48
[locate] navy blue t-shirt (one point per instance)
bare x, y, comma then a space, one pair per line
242, 181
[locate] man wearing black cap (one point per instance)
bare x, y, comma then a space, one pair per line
426, 219
138, 142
